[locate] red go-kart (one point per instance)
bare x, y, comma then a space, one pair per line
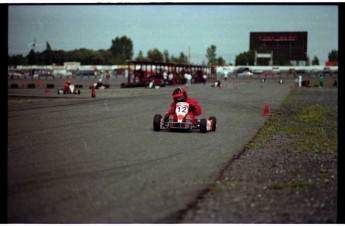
183, 122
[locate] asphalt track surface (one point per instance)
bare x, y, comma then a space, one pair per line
77, 159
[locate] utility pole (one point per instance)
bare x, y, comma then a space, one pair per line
33, 45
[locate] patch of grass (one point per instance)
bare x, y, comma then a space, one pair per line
313, 127
316, 129
262, 137
288, 185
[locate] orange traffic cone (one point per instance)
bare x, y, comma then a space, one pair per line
266, 112
93, 92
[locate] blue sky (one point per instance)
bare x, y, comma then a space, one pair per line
173, 27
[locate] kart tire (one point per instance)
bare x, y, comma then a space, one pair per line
214, 119
203, 125
157, 122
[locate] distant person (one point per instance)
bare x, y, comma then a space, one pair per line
300, 81
188, 78
107, 77
204, 79
217, 83
165, 77
99, 84
66, 88
225, 76
321, 80
171, 78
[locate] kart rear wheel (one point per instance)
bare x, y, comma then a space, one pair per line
157, 122
214, 124
203, 125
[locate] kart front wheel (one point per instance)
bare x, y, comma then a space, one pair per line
214, 123
203, 125
157, 122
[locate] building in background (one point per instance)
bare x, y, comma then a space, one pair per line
285, 47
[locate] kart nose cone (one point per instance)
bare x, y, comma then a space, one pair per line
180, 118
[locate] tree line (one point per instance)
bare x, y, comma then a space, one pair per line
121, 50
248, 58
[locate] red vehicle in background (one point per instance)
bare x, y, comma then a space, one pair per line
155, 80
142, 73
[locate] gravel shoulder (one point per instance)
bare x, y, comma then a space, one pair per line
279, 177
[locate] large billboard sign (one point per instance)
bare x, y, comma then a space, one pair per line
286, 46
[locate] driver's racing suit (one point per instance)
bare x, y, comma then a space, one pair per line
66, 88
194, 110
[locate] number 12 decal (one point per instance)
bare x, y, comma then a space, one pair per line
182, 109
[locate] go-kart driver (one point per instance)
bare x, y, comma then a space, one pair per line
180, 95
66, 88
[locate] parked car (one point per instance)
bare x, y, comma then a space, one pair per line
62, 74
242, 69
87, 73
15, 75
245, 74
43, 74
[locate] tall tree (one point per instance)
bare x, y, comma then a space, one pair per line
211, 55
122, 49
140, 56
166, 56
333, 55
17, 60
315, 61
105, 57
31, 57
220, 61
245, 58
154, 55
48, 48
47, 55
183, 59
